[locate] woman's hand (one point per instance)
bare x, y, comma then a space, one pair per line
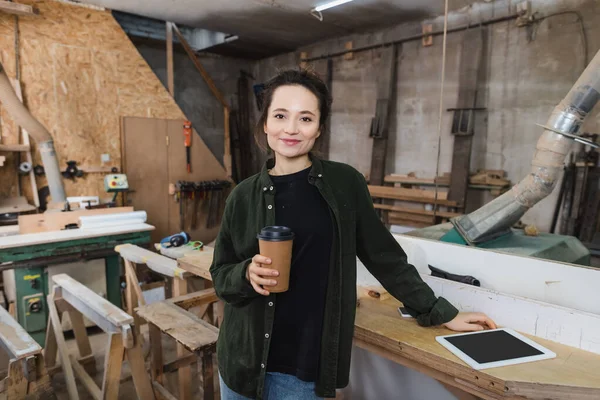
259, 276
468, 322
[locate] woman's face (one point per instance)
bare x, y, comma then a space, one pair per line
292, 124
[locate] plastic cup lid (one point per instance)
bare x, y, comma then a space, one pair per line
276, 234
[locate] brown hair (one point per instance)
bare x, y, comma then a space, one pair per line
301, 77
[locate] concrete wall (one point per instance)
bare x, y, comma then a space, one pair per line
191, 92
528, 71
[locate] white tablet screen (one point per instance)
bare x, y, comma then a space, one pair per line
492, 346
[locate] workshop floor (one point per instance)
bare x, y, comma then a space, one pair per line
98, 341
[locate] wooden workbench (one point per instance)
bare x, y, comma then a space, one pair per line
574, 374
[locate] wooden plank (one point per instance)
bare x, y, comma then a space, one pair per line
16, 385
113, 362
427, 219
162, 392
15, 147
384, 106
185, 373
31, 239
141, 379
190, 300
424, 193
208, 387
170, 74
180, 362
567, 285
14, 339
158, 263
86, 379
409, 180
86, 300
192, 332
227, 163
198, 263
82, 339
26, 142
63, 351
378, 324
469, 82
15, 205
56, 221
400, 194
18, 9
156, 356
418, 211
144, 143
192, 54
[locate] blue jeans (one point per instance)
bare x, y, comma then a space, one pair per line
277, 387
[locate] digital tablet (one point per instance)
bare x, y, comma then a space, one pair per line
494, 348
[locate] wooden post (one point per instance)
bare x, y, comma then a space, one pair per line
54, 319
170, 69
383, 110
184, 373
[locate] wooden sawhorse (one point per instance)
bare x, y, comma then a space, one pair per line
165, 266
70, 296
195, 335
27, 376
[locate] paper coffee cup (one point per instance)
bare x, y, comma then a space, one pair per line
275, 242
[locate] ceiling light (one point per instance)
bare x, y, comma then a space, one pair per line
316, 12
331, 4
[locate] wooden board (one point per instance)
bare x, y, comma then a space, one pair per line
17, 9
31, 239
567, 285
415, 195
14, 205
160, 264
198, 263
192, 332
56, 221
14, 339
145, 163
88, 300
418, 211
573, 372
80, 73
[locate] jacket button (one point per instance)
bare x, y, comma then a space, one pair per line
271, 188
270, 304
265, 189
267, 335
320, 175
262, 366
269, 207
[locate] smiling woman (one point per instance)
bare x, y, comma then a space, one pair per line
297, 343
296, 106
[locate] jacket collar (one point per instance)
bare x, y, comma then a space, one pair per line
316, 170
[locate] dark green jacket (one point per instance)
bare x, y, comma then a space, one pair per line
244, 338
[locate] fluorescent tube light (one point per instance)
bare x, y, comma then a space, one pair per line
331, 4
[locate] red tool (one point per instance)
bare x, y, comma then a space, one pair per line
187, 133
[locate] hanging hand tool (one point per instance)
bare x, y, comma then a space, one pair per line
187, 133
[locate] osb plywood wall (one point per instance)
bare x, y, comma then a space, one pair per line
79, 73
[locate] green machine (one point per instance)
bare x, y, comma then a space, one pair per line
547, 246
492, 226
28, 266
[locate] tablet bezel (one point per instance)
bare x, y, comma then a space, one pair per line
546, 353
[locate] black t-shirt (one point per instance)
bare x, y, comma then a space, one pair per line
296, 337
